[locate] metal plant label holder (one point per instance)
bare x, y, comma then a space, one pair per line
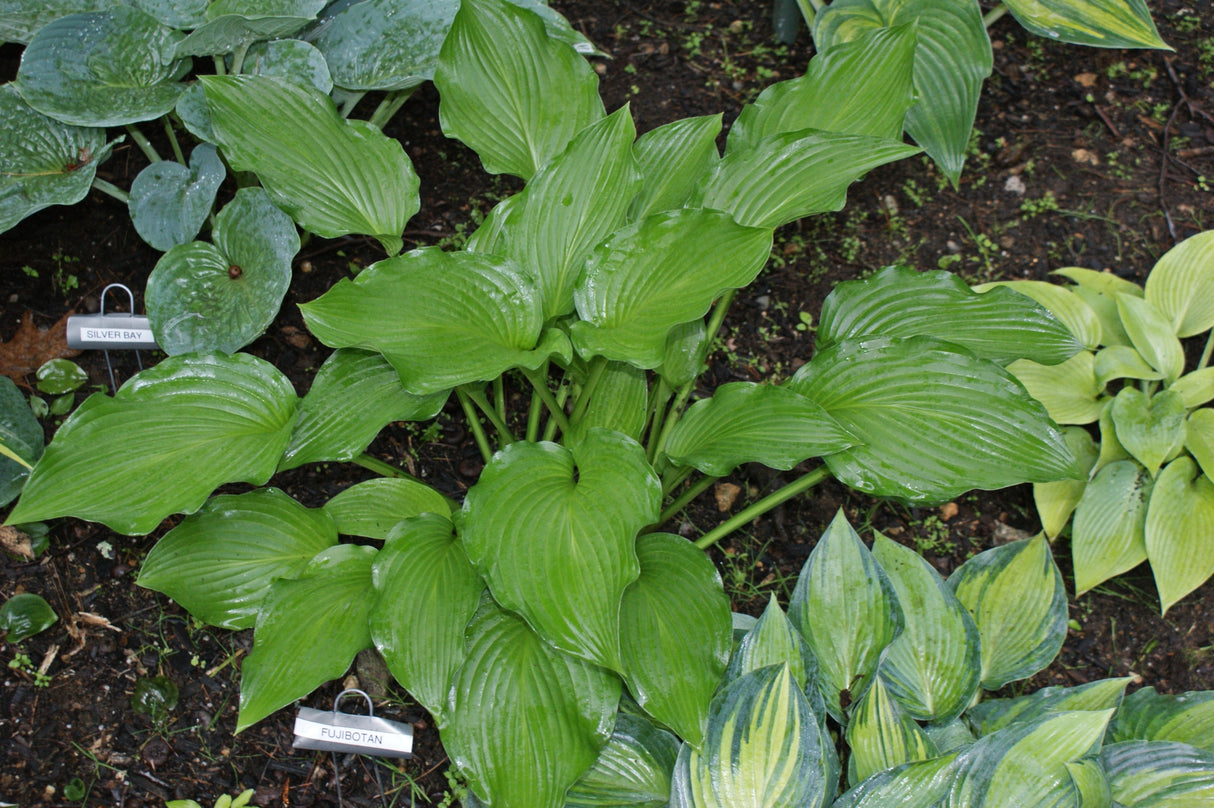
123, 331
334, 731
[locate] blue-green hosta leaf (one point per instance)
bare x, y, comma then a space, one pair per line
553, 530
1148, 716
995, 714
672, 159
427, 592
385, 44
1199, 438
763, 748
773, 641
442, 319
846, 609
1195, 388
104, 68
632, 771
524, 720
999, 325
184, 14
932, 422
1148, 427
20, 434
675, 633
618, 403
745, 422
862, 87
881, 735
1056, 501
169, 203
913, 785
932, 667
509, 91
1159, 774
219, 562
1108, 536
1067, 306
222, 296
1103, 24
1122, 362
1069, 390
308, 631
24, 615
333, 176
1179, 542
1181, 285
952, 59
1017, 599
355, 395
950, 737
233, 24
372, 508
42, 162
1152, 334
291, 59
198, 421
660, 272
21, 19
789, 176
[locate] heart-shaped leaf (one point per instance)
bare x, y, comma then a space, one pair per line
21, 435
1181, 285
881, 735
672, 159
1150, 716
291, 59
632, 770
384, 45
1069, 390
234, 24
1148, 427
1108, 536
1178, 539
169, 203
1103, 24
372, 508
24, 615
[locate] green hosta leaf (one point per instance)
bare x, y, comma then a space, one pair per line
21, 19
1149, 426
170, 203
525, 721
509, 91
1067, 306
999, 325
1056, 501
932, 667
881, 735
1016, 596
675, 633
745, 422
952, 59
1195, 388
355, 395
862, 87
774, 641
1181, 286
552, 530
789, 176
1179, 542
198, 421
22, 616
384, 44
1159, 774
334, 177
20, 436
372, 508
1103, 24
845, 607
308, 631
763, 748
219, 563
914, 785
632, 770
427, 592
1111, 524
1148, 716
204, 297
1122, 362
291, 59
442, 319
1070, 390
665, 270
233, 24
996, 714
1152, 335
1199, 438
42, 162
686, 350
932, 422
619, 403
672, 159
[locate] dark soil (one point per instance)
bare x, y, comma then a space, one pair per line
1081, 157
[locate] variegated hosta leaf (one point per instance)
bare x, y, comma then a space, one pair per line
525, 721
1056, 501
633, 769
219, 562
1159, 774
996, 714
1152, 335
881, 735
618, 403
1181, 285
774, 641
675, 633
1067, 306
553, 530
913, 785
1108, 536
1091, 785
1069, 390
372, 508
1148, 716
950, 737
1149, 427
672, 159
1180, 544
846, 609
932, 667
745, 422
1103, 23
1016, 596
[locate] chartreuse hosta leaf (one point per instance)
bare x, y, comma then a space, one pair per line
525, 721
427, 592
169, 202
672, 159
103, 68
996, 714
1159, 774
355, 394
1179, 542
233, 24
372, 508
1016, 596
542, 515
442, 319
745, 422
999, 324
1056, 501
1148, 716
381, 45
660, 272
773, 641
619, 403
1069, 390
1152, 334
1108, 536
1104, 23
1149, 427
308, 630
952, 59
632, 770
1199, 438
675, 633
845, 607
1067, 306
1181, 285
764, 748
932, 667
881, 735
509, 91
163, 443
932, 421
334, 177
1195, 388
222, 296
1110, 448
1122, 362
21, 437
219, 563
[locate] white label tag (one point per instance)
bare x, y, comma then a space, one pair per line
116, 335
342, 732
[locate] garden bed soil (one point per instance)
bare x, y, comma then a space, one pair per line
1081, 157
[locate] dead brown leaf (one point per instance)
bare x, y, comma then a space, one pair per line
16, 542
30, 349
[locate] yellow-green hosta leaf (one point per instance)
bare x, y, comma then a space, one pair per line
1148, 716
372, 508
1108, 535
1152, 334
1110, 448
1180, 544
996, 714
633, 769
1099, 23
1181, 285
672, 159
1106, 283
1199, 438
1070, 390
1122, 362
1149, 427
1067, 306
881, 735
1159, 774
1111, 330
1195, 388
1056, 501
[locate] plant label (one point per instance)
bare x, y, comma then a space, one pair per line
109, 332
343, 732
